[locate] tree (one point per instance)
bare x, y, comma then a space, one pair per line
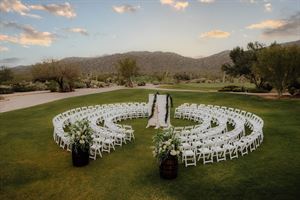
280, 65
127, 69
244, 62
6, 74
63, 73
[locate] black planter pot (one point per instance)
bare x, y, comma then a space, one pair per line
168, 168
80, 158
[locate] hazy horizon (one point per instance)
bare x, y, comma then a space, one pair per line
35, 30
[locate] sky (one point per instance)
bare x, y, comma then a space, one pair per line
34, 30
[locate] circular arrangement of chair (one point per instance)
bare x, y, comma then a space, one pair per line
220, 134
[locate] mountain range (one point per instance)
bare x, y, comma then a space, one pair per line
152, 62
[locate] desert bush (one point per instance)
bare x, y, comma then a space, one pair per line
6, 89
181, 77
155, 83
257, 90
52, 86
294, 87
39, 86
24, 86
141, 83
232, 88
80, 84
266, 86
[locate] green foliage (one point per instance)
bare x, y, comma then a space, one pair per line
6, 89
165, 143
141, 83
232, 88
294, 87
80, 134
79, 84
182, 77
280, 65
25, 86
6, 74
65, 74
52, 86
244, 62
127, 69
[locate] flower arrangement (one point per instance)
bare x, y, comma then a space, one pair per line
80, 135
165, 144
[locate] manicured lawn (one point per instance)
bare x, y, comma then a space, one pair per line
209, 87
32, 166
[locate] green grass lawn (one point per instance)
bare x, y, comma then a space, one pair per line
209, 87
32, 166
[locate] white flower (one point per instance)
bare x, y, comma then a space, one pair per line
173, 153
81, 141
168, 143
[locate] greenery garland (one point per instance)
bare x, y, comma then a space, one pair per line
167, 106
153, 105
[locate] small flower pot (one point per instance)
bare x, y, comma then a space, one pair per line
79, 158
168, 168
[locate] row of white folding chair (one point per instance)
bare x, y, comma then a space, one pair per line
65, 118
239, 121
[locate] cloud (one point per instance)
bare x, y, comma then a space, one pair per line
11, 60
177, 5
167, 2
64, 10
181, 5
215, 34
125, 8
268, 7
17, 7
249, 1
28, 36
2, 49
206, 1
267, 24
290, 27
81, 31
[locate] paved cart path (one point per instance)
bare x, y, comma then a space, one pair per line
27, 99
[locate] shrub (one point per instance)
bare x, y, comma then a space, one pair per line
232, 88
257, 90
239, 89
24, 87
155, 83
141, 83
6, 89
267, 86
52, 86
79, 84
39, 86
294, 88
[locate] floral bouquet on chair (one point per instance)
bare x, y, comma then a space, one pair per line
166, 150
80, 138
